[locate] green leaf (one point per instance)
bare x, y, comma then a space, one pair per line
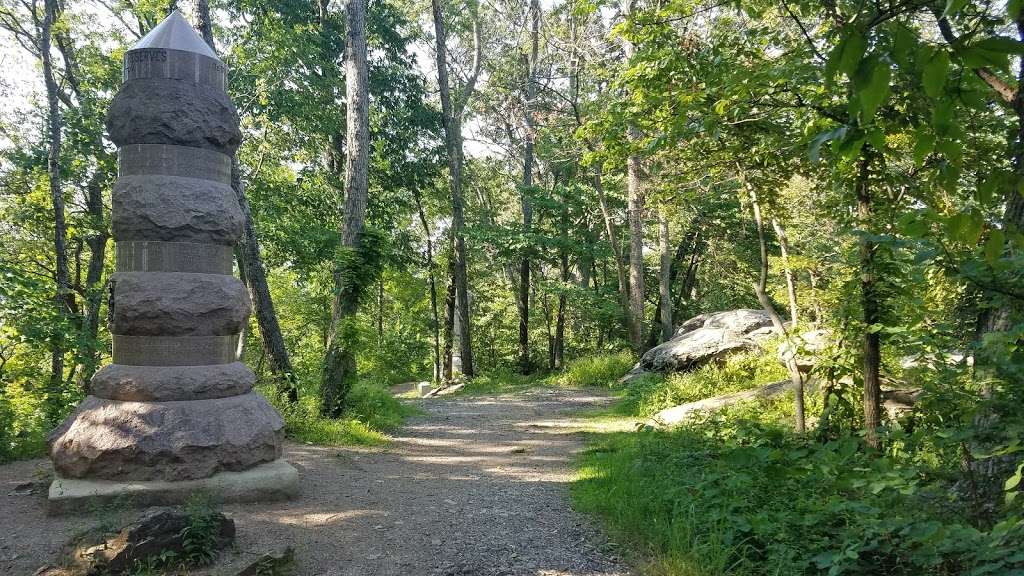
852, 52
935, 73
923, 146
1014, 480
876, 92
979, 57
1013, 8
1000, 44
965, 226
994, 247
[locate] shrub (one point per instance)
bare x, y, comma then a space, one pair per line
736, 373
598, 370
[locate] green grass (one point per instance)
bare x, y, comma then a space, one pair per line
739, 493
599, 370
602, 370
371, 413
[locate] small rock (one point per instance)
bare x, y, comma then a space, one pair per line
517, 450
271, 564
156, 532
23, 489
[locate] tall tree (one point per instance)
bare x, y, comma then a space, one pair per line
452, 111
62, 298
250, 259
339, 366
528, 152
635, 216
665, 277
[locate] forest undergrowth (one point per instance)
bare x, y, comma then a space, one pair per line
739, 492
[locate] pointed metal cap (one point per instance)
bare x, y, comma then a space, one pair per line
175, 33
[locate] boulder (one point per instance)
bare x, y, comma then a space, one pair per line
678, 414
167, 111
178, 304
175, 209
178, 440
163, 383
718, 335
156, 533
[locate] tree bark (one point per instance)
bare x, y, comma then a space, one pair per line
558, 354
250, 260
452, 113
339, 366
449, 323
613, 240
871, 310
760, 291
434, 321
528, 146
62, 297
665, 277
635, 217
780, 233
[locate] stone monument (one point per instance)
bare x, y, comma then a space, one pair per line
175, 412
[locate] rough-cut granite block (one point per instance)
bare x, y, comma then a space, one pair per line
180, 440
175, 209
163, 383
178, 304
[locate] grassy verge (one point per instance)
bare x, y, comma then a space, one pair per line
601, 370
740, 493
372, 412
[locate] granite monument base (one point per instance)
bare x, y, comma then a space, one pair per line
277, 480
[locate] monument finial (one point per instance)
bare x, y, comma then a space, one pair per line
175, 33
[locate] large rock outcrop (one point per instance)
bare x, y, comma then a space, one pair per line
706, 338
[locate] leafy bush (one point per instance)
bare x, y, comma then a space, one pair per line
740, 372
23, 425
374, 406
739, 493
597, 370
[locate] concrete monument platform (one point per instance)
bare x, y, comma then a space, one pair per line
277, 480
175, 413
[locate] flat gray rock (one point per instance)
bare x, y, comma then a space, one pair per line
163, 383
706, 338
178, 304
184, 440
175, 209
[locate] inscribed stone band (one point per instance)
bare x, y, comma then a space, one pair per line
144, 63
149, 256
169, 160
174, 350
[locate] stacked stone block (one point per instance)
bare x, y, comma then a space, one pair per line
175, 404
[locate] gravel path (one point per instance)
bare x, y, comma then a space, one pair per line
478, 486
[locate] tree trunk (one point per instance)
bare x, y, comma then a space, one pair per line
339, 366
558, 355
63, 296
780, 233
524, 265
869, 303
250, 260
665, 277
759, 290
452, 113
87, 356
449, 323
613, 240
635, 217
434, 323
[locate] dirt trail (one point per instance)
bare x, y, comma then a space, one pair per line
477, 486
